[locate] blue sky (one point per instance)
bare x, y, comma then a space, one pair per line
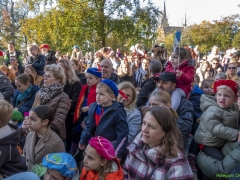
197, 10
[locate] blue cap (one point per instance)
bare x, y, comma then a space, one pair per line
95, 72
112, 85
76, 46
62, 162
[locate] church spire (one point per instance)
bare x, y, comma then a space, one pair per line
185, 21
164, 10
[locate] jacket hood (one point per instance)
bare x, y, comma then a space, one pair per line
13, 138
197, 90
115, 105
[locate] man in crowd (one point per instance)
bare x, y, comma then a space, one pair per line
49, 55
107, 71
12, 52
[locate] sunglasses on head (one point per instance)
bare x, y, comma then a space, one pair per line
231, 67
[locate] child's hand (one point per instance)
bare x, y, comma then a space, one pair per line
15, 109
85, 109
81, 146
239, 136
83, 124
179, 73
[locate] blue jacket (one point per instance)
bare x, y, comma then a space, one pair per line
27, 105
112, 125
38, 63
194, 98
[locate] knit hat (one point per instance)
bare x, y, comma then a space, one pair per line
44, 46
17, 116
76, 46
112, 85
230, 83
95, 72
103, 147
62, 162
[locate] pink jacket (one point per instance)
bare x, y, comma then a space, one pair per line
187, 77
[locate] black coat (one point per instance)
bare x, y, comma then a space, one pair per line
147, 88
11, 162
6, 88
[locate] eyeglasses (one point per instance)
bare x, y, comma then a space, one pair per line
231, 67
11, 60
46, 76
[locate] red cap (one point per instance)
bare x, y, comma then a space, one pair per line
44, 46
230, 83
1, 53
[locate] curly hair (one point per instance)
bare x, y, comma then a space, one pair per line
58, 72
9, 74
172, 140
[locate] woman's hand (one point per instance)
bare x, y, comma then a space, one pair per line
81, 146
85, 109
179, 73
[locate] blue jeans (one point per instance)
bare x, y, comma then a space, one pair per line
23, 176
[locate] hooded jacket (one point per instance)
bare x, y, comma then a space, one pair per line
217, 125
112, 125
11, 162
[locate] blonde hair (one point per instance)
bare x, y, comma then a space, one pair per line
164, 98
224, 87
6, 110
108, 89
120, 71
35, 47
70, 73
58, 72
128, 85
9, 74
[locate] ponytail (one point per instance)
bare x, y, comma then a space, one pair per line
174, 112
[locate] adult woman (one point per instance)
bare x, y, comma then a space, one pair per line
156, 153
36, 60
203, 71
232, 70
51, 94
162, 98
8, 73
133, 114
24, 96
72, 88
77, 68
126, 72
32, 71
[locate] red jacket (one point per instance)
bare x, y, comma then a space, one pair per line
92, 175
90, 99
185, 80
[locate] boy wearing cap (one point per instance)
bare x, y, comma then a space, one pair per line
219, 121
107, 118
86, 97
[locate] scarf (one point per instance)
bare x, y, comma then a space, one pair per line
22, 96
47, 93
140, 73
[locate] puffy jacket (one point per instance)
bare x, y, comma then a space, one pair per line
211, 167
112, 125
38, 63
28, 102
6, 88
60, 105
217, 125
116, 173
147, 88
185, 80
11, 162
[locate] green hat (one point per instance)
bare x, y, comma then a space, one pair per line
17, 116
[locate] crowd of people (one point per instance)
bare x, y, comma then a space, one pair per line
114, 115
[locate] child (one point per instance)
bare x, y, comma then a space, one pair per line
36, 60
219, 121
41, 140
87, 96
184, 69
17, 118
11, 161
100, 161
107, 118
